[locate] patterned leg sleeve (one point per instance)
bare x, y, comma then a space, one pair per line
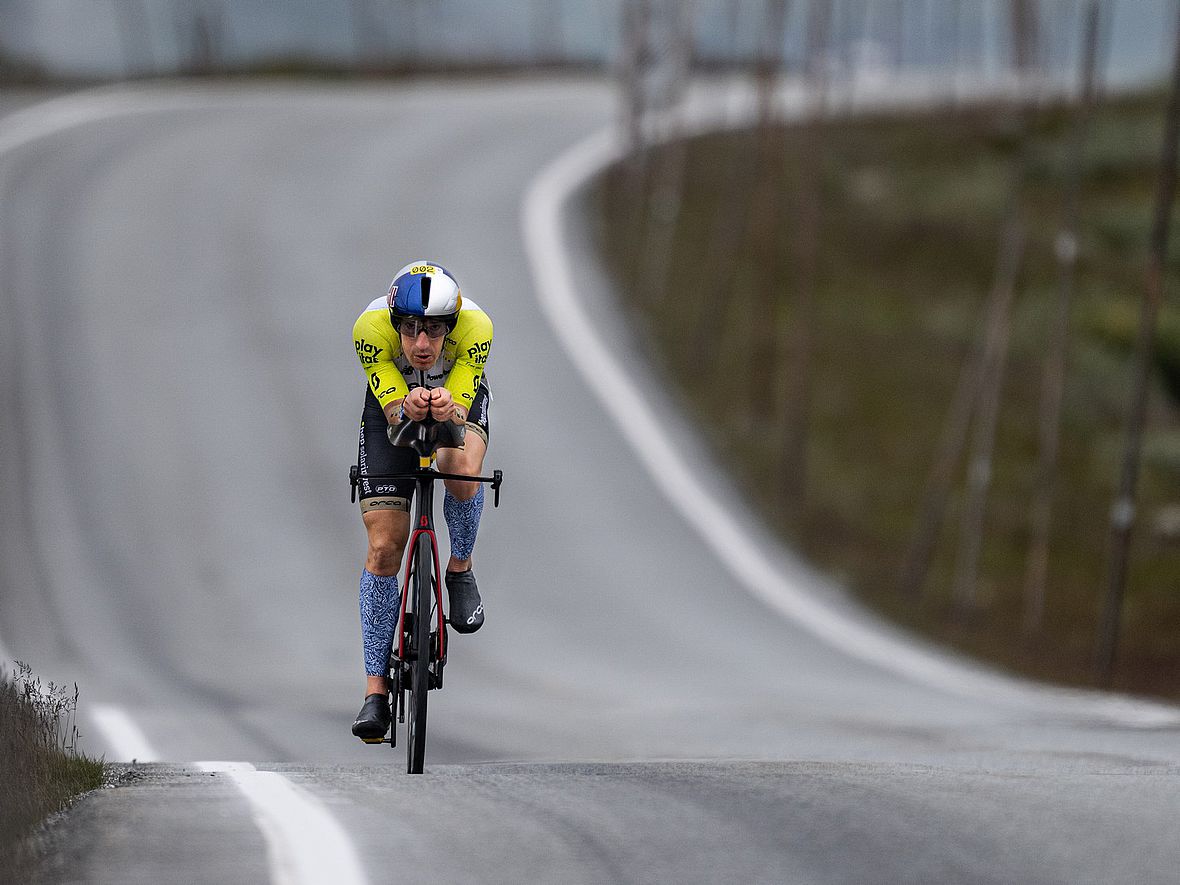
462, 522
379, 610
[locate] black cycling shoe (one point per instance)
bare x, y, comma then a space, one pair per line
373, 720
466, 607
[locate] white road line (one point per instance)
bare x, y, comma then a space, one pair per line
543, 223
305, 844
47, 118
123, 737
126, 739
18, 129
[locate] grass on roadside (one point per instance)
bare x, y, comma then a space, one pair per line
41, 770
912, 207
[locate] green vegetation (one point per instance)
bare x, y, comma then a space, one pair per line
41, 770
912, 209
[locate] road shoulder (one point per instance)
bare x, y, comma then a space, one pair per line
154, 822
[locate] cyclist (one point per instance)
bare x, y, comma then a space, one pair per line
423, 347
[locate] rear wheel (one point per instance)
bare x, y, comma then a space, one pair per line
420, 664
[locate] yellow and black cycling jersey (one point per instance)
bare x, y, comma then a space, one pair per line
459, 367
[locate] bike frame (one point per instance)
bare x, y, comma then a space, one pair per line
423, 524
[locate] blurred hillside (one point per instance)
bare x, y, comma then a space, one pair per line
916, 338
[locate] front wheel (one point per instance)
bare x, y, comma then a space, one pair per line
420, 664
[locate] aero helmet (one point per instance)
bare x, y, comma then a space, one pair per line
423, 289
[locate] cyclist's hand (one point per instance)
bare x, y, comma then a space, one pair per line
417, 404
442, 404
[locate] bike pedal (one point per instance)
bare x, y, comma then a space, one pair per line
375, 740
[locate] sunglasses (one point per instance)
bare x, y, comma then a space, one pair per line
414, 327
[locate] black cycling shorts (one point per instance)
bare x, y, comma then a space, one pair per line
377, 455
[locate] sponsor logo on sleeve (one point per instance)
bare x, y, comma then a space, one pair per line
368, 353
478, 353
375, 381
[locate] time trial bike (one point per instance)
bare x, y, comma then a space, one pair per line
420, 652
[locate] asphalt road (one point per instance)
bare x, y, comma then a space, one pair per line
177, 420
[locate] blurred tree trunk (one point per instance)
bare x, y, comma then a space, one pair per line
978, 40
654, 72
941, 479
635, 18
794, 360
752, 224
674, 53
921, 36
764, 224
135, 38
895, 28
954, 21
1025, 29
546, 27
995, 359
1103, 57
977, 393
843, 36
410, 36
1026, 56
368, 28
730, 209
768, 65
633, 62
1122, 519
1053, 383
206, 35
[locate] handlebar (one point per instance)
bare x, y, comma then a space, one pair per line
426, 437
494, 481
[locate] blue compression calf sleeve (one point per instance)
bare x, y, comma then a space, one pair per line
462, 522
379, 611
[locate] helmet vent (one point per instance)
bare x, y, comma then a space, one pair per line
425, 292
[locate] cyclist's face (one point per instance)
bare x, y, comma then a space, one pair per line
421, 350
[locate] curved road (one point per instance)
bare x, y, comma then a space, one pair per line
180, 270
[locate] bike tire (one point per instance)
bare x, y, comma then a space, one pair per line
420, 668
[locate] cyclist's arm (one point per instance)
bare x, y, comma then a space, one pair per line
471, 354
375, 351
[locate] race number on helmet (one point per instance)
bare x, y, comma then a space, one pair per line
423, 289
